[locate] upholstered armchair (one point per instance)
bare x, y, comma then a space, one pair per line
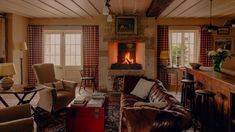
53, 98
17, 119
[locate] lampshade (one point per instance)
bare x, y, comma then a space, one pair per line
7, 69
105, 10
164, 55
22, 46
109, 18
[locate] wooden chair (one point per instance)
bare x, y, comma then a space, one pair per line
88, 76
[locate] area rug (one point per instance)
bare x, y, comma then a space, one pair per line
56, 123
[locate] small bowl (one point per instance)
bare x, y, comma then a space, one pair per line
195, 65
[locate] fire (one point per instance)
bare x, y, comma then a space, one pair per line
128, 59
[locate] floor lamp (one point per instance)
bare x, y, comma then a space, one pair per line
22, 48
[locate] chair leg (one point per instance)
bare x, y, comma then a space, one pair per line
81, 86
94, 85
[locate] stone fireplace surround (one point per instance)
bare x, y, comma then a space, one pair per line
146, 35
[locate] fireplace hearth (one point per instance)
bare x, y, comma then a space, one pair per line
126, 58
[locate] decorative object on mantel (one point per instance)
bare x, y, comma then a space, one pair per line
6, 70
218, 56
223, 30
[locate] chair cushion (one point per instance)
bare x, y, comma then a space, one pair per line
142, 88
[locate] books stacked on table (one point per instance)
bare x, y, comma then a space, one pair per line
97, 100
98, 95
79, 101
95, 103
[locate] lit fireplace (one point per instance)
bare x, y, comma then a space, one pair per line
126, 57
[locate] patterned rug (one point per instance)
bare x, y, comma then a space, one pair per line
56, 122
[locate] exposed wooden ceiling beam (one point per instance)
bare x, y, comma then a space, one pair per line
157, 7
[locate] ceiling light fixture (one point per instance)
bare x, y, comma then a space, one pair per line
210, 28
109, 18
107, 11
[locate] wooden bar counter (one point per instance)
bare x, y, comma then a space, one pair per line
223, 85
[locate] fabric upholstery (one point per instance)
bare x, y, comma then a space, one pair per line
172, 116
16, 118
50, 98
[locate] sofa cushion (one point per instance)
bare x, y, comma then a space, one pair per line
142, 88
128, 100
159, 105
134, 117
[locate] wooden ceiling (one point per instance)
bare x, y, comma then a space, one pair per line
91, 8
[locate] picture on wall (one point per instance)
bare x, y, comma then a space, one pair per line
126, 25
224, 43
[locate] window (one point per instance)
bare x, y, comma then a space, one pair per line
62, 48
183, 46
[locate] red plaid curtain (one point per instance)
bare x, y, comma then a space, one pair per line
91, 47
34, 41
163, 44
206, 45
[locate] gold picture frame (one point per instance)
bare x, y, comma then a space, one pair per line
126, 25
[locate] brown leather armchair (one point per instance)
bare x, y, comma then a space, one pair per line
17, 119
51, 99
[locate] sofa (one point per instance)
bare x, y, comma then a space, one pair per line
159, 112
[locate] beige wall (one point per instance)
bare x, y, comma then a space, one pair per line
16, 34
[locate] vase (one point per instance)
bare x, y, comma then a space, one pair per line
217, 65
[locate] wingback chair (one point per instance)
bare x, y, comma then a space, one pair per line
52, 99
17, 119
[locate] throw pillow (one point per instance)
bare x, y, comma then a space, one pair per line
58, 85
140, 119
142, 88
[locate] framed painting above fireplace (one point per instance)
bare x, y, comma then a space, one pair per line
126, 25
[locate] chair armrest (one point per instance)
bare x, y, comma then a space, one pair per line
69, 85
15, 112
25, 124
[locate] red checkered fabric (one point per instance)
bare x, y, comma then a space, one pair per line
163, 44
206, 45
34, 41
91, 46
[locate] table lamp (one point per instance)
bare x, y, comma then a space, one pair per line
22, 47
6, 70
164, 56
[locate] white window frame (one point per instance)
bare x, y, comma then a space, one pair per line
184, 29
62, 30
